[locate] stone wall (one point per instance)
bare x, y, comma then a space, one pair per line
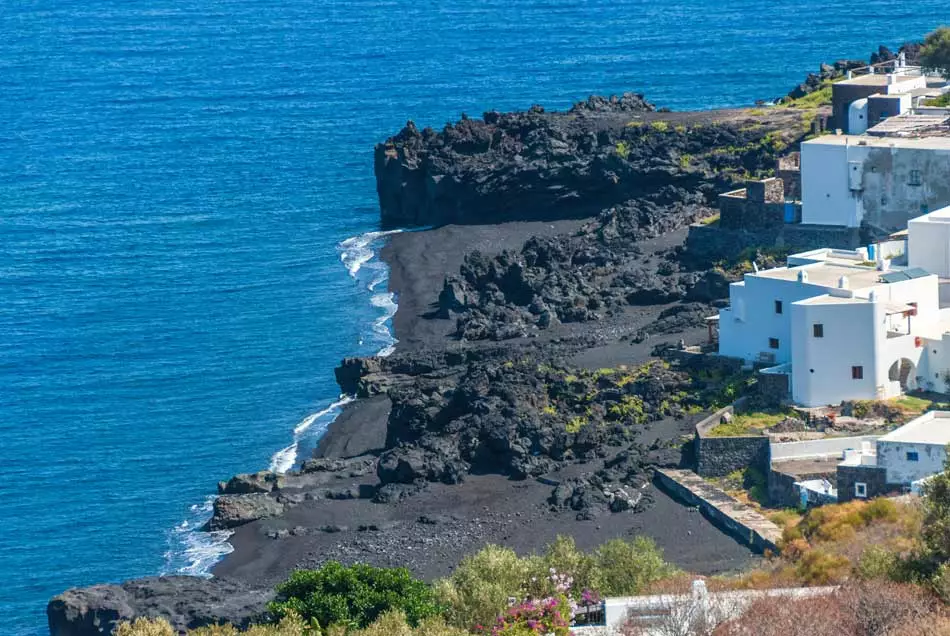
760, 205
781, 487
718, 456
773, 387
874, 477
789, 170
711, 243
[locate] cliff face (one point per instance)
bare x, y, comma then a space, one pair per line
537, 165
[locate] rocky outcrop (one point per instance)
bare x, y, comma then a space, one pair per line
537, 165
231, 511
187, 602
260, 482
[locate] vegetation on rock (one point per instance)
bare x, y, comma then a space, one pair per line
935, 54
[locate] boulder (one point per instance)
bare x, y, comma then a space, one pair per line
231, 511
247, 483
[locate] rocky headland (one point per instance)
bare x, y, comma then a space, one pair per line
528, 396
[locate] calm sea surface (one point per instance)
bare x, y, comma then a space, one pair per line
185, 192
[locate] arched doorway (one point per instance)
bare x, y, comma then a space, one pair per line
904, 372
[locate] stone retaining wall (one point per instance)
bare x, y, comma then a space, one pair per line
718, 456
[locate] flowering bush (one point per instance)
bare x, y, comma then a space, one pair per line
542, 617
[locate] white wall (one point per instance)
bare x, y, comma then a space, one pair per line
892, 456
928, 246
888, 195
821, 368
784, 451
826, 196
745, 328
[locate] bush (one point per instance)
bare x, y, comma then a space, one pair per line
146, 627
541, 618
877, 562
935, 54
354, 596
394, 624
479, 589
625, 568
290, 625
817, 567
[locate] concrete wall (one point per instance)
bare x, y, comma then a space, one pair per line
784, 451
892, 457
873, 476
886, 193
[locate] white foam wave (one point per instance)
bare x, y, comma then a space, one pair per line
283, 460
387, 303
194, 551
308, 421
357, 250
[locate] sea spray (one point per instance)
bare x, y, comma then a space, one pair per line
193, 551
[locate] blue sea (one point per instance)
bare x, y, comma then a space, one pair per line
187, 208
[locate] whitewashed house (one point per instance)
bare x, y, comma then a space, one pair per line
840, 327
899, 461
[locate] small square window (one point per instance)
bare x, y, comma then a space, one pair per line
773, 343
913, 456
861, 490
818, 330
915, 178
778, 306
857, 373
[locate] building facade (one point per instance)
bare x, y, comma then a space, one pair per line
878, 181
840, 327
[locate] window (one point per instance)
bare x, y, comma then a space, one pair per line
773, 343
861, 490
778, 306
913, 456
818, 330
915, 177
857, 373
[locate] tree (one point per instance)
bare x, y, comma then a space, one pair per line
935, 531
935, 54
353, 596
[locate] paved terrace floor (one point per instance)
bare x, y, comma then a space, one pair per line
735, 511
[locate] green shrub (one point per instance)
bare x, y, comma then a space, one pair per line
935, 54
625, 568
563, 557
356, 595
877, 562
145, 627
623, 150
479, 589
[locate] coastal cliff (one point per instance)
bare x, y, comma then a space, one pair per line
464, 439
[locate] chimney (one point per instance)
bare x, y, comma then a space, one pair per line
802, 276
843, 283
892, 79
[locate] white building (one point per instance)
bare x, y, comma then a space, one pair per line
840, 327
902, 460
928, 242
916, 450
883, 182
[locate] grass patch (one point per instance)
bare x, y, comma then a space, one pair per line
748, 424
709, 220
939, 102
575, 424
623, 150
821, 97
660, 126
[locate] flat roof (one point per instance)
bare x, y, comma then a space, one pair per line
937, 216
923, 143
877, 79
826, 274
929, 428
